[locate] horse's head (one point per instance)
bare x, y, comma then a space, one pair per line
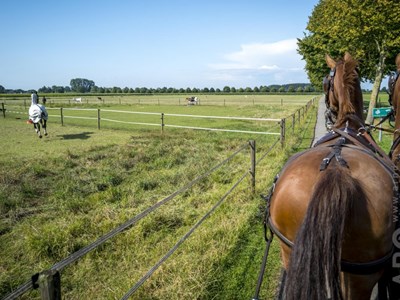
343, 91
395, 87
394, 96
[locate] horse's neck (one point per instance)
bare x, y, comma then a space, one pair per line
352, 121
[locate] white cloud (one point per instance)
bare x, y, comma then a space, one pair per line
269, 63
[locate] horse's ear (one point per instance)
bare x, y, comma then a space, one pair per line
347, 56
330, 61
398, 62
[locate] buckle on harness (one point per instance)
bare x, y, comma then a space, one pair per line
324, 163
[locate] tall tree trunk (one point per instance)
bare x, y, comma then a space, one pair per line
376, 87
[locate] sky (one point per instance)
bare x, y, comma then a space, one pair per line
152, 43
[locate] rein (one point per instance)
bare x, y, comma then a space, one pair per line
375, 127
363, 132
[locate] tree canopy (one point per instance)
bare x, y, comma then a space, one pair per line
81, 85
368, 29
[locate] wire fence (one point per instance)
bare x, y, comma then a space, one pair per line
49, 281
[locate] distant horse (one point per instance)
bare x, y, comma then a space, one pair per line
192, 100
331, 205
38, 116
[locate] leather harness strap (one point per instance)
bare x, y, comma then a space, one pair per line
335, 153
346, 266
368, 138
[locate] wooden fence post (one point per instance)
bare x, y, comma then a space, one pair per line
62, 116
162, 122
299, 116
252, 144
4, 110
98, 118
50, 285
282, 132
293, 122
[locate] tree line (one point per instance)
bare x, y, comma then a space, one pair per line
82, 85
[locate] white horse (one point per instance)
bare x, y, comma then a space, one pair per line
38, 115
192, 100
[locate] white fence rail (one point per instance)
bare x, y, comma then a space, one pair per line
281, 122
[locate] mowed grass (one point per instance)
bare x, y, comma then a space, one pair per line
60, 193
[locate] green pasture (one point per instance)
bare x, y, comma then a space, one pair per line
62, 192
140, 116
163, 99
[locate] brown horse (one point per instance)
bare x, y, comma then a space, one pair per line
394, 91
331, 205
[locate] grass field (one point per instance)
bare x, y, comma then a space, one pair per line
62, 192
164, 99
135, 115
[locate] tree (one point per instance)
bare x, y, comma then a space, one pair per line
81, 85
2, 89
94, 89
227, 89
368, 29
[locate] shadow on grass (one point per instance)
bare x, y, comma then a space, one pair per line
77, 136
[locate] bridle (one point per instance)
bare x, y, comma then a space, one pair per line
391, 84
328, 87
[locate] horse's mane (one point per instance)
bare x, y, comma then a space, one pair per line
350, 82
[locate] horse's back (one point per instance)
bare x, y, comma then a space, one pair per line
37, 112
369, 218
